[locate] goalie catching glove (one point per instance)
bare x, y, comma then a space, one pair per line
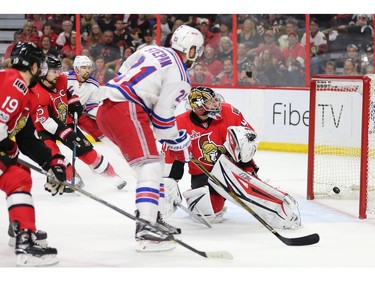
57, 169
178, 146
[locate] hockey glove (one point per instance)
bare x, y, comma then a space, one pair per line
68, 135
54, 183
74, 105
178, 146
8, 154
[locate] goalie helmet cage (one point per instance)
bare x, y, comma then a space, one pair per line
341, 141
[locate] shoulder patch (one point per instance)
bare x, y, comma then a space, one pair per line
4, 117
20, 86
235, 110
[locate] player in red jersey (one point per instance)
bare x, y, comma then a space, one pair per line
225, 144
27, 62
54, 122
207, 123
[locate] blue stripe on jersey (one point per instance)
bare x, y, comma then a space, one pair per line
181, 66
162, 123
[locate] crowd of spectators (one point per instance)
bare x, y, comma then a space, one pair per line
270, 48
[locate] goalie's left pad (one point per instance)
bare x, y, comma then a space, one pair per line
277, 208
169, 193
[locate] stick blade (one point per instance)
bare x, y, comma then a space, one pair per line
301, 241
219, 255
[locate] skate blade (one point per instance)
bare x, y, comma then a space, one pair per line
27, 260
154, 246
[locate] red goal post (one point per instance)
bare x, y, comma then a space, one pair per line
341, 143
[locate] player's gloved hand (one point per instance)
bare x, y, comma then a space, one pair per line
75, 106
8, 154
57, 169
70, 136
178, 146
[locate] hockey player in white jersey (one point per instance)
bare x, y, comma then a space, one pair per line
86, 87
150, 85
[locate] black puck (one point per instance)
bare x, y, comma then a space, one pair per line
336, 190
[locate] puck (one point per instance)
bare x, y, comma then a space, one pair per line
336, 190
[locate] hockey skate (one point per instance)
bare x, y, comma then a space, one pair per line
149, 239
31, 254
166, 226
78, 182
41, 237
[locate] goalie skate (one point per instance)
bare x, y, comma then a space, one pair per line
30, 254
150, 240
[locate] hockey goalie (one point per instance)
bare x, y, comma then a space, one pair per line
276, 207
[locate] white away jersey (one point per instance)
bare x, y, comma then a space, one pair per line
156, 79
88, 92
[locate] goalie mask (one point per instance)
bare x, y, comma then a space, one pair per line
240, 143
82, 67
205, 102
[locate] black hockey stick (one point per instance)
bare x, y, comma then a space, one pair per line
201, 218
74, 154
213, 255
298, 241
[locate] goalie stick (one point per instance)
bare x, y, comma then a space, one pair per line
201, 218
297, 241
213, 255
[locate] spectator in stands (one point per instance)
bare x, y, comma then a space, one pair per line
225, 30
225, 49
148, 38
249, 34
127, 53
266, 69
38, 22
290, 26
69, 49
176, 24
352, 53
107, 22
369, 69
318, 46
66, 64
204, 28
228, 74
165, 28
122, 36
48, 31
101, 72
367, 59
330, 68
45, 44
87, 21
139, 24
28, 34
200, 77
349, 68
269, 43
210, 63
64, 36
109, 50
56, 20
243, 62
17, 37
95, 37
292, 62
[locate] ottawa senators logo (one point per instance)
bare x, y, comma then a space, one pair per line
209, 150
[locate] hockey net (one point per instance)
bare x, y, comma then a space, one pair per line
341, 147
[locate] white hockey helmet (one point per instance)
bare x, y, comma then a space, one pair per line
240, 143
82, 61
186, 37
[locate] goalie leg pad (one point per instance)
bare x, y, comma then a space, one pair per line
277, 208
199, 202
169, 194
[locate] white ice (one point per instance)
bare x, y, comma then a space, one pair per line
96, 239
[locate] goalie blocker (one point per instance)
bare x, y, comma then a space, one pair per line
277, 208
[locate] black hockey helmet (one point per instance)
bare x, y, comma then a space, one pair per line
24, 54
53, 62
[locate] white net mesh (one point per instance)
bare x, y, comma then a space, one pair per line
337, 137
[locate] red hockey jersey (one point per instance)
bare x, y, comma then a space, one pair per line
207, 138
